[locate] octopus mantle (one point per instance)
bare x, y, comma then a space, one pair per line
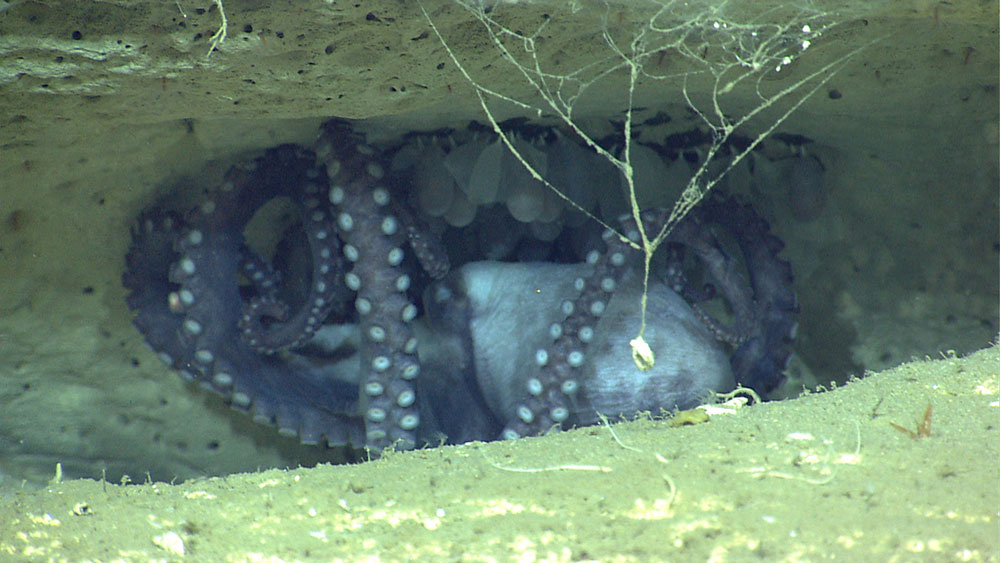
343, 351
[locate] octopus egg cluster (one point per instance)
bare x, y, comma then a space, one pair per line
457, 176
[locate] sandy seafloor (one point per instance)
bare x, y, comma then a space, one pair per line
821, 477
901, 265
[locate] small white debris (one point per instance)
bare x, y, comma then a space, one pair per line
170, 542
729, 407
642, 354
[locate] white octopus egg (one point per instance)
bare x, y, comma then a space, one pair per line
462, 211
461, 161
484, 182
648, 173
435, 187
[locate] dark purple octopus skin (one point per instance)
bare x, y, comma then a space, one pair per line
184, 276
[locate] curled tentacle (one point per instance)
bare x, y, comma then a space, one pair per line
373, 243
260, 273
184, 281
764, 315
428, 249
763, 309
324, 246
762, 304
550, 392
487, 321
151, 254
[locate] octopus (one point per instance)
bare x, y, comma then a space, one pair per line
366, 336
